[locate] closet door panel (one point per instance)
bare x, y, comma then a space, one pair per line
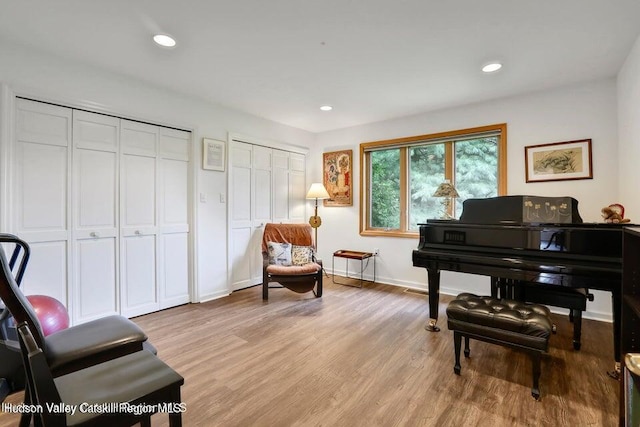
47, 271
43, 123
95, 261
138, 218
175, 281
96, 215
96, 183
280, 186
138, 138
138, 192
95, 131
175, 195
297, 194
138, 267
174, 244
241, 261
43, 184
262, 213
241, 227
40, 195
175, 144
297, 187
173, 249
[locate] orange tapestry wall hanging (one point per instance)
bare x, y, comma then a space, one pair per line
337, 177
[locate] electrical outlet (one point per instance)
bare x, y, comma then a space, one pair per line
376, 251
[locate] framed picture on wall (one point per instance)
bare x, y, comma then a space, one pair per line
338, 178
558, 161
213, 154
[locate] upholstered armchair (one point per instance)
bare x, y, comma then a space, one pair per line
289, 258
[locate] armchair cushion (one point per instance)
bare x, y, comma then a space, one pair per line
293, 270
301, 255
279, 253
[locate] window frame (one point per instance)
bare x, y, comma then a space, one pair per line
404, 144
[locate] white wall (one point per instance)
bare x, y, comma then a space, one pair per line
28, 72
582, 111
629, 133
570, 113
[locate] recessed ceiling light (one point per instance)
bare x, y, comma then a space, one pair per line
492, 67
326, 108
164, 40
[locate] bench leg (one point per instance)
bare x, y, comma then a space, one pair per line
457, 342
535, 364
577, 328
466, 347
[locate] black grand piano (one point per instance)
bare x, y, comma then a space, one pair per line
529, 239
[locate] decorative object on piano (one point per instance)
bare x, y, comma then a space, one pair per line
521, 210
556, 210
337, 178
448, 192
316, 191
614, 214
558, 161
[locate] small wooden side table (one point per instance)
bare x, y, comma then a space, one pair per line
357, 255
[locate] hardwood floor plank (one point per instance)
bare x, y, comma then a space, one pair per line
361, 357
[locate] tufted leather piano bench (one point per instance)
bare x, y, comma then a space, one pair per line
512, 324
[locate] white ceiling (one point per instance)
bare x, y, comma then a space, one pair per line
370, 59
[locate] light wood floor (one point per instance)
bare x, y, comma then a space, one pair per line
361, 357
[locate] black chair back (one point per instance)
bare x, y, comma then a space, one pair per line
10, 293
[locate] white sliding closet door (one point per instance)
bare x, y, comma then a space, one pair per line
95, 215
297, 187
265, 185
138, 218
262, 213
173, 280
104, 204
41, 193
280, 186
241, 226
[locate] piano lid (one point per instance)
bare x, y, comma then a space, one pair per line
521, 210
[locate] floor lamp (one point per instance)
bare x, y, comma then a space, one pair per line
317, 192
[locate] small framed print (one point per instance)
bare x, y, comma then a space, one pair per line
213, 154
558, 161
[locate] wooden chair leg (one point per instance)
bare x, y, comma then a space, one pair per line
467, 351
175, 417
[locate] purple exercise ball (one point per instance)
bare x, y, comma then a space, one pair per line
52, 314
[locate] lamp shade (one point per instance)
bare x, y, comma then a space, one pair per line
446, 189
317, 191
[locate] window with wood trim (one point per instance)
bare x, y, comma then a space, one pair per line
398, 177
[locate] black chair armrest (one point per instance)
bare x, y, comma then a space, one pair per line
316, 259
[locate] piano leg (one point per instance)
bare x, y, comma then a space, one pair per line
433, 276
616, 302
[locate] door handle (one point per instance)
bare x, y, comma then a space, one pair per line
94, 234
138, 232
